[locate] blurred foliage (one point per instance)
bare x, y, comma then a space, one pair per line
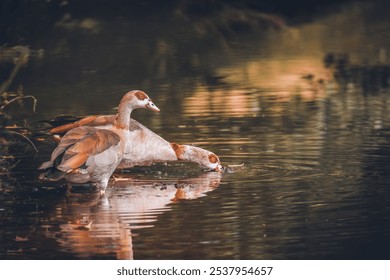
24, 21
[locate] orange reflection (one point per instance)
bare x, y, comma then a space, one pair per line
281, 80
227, 103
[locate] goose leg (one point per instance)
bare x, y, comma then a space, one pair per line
102, 185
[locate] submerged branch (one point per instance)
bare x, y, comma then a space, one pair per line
25, 137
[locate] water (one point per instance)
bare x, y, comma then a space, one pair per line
314, 141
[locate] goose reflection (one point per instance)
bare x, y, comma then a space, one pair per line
102, 228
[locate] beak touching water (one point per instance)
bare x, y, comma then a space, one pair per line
219, 168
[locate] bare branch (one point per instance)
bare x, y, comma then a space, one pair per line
21, 97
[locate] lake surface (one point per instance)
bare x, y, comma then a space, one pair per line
304, 108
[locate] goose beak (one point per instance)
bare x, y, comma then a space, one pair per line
152, 107
219, 168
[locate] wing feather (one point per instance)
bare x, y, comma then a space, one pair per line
79, 144
87, 121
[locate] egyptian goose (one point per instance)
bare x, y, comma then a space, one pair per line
148, 147
88, 154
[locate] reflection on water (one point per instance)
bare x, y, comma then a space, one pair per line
305, 108
93, 227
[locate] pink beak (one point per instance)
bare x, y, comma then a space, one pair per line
152, 107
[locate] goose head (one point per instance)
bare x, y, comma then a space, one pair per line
203, 157
138, 99
212, 162
132, 100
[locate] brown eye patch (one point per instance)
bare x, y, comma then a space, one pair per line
213, 158
141, 95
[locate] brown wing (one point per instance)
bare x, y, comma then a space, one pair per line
80, 143
70, 138
87, 121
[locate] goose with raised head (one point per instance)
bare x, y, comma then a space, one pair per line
88, 154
